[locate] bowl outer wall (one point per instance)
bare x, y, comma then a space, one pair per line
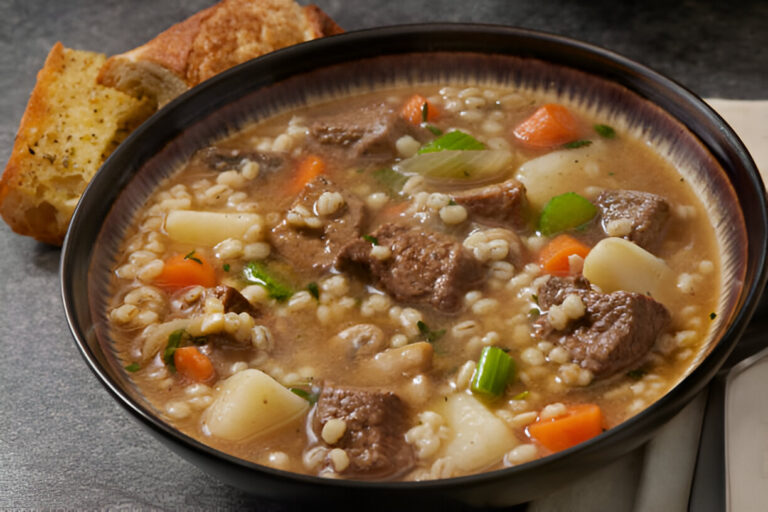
498, 487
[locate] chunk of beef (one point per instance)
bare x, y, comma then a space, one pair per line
309, 248
221, 159
374, 438
368, 131
501, 203
233, 302
616, 331
647, 214
424, 267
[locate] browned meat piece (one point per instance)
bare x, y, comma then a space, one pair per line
233, 301
370, 131
614, 334
647, 212
424, 267
374, 440
309, 248
501, 203
220, 159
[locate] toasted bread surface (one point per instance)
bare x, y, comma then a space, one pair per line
213, 40
71, 124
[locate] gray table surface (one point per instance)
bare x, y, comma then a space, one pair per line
64, 443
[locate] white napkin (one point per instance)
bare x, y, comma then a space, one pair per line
658, 476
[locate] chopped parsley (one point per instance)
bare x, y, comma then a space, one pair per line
424, 112
371, 239
712, 315
429, 335
533, 313
605, 131
177, 339
521, 396
226, 267
313, 289
191, 256
258, 273
451, 203
174, 342
636, 374
306, 395
535, 298
577, 144
133, 367
435, 130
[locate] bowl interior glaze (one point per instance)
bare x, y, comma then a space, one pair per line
629, 96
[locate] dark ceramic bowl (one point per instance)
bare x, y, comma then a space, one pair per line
677, 122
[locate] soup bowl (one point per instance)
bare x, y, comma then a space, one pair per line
686, 130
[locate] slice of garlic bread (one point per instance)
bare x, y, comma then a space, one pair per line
70, 126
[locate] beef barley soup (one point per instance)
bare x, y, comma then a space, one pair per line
415, 284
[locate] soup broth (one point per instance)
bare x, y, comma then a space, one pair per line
415, 284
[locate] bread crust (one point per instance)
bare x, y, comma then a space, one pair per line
211, 41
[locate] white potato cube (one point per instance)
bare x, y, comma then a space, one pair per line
208, 228
618, 264
251, 403
478, 437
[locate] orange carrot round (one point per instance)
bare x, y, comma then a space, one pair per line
553, 258
413, 110
581, 422
551, 125
182, 270
309, 168
193, 364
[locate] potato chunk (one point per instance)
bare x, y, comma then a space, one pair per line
251, 403
478, 437
207, 228
617, 264
565, 170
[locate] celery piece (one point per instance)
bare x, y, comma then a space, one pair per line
494, 369
455, 140
459, 165
566, 211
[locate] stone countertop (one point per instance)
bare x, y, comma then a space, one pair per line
64, 443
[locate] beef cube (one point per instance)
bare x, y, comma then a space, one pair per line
369, 131
424, 267
501, 203
647, 214
308, 248
374, 438
233, 301
615, 333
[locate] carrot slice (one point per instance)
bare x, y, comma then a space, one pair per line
413, 110
581, 422
193, 364
182, 270
309, 168
553, 258
551, 125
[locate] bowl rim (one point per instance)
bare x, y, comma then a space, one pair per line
400, 39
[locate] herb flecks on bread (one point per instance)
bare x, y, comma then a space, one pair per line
213, 40
70, 126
